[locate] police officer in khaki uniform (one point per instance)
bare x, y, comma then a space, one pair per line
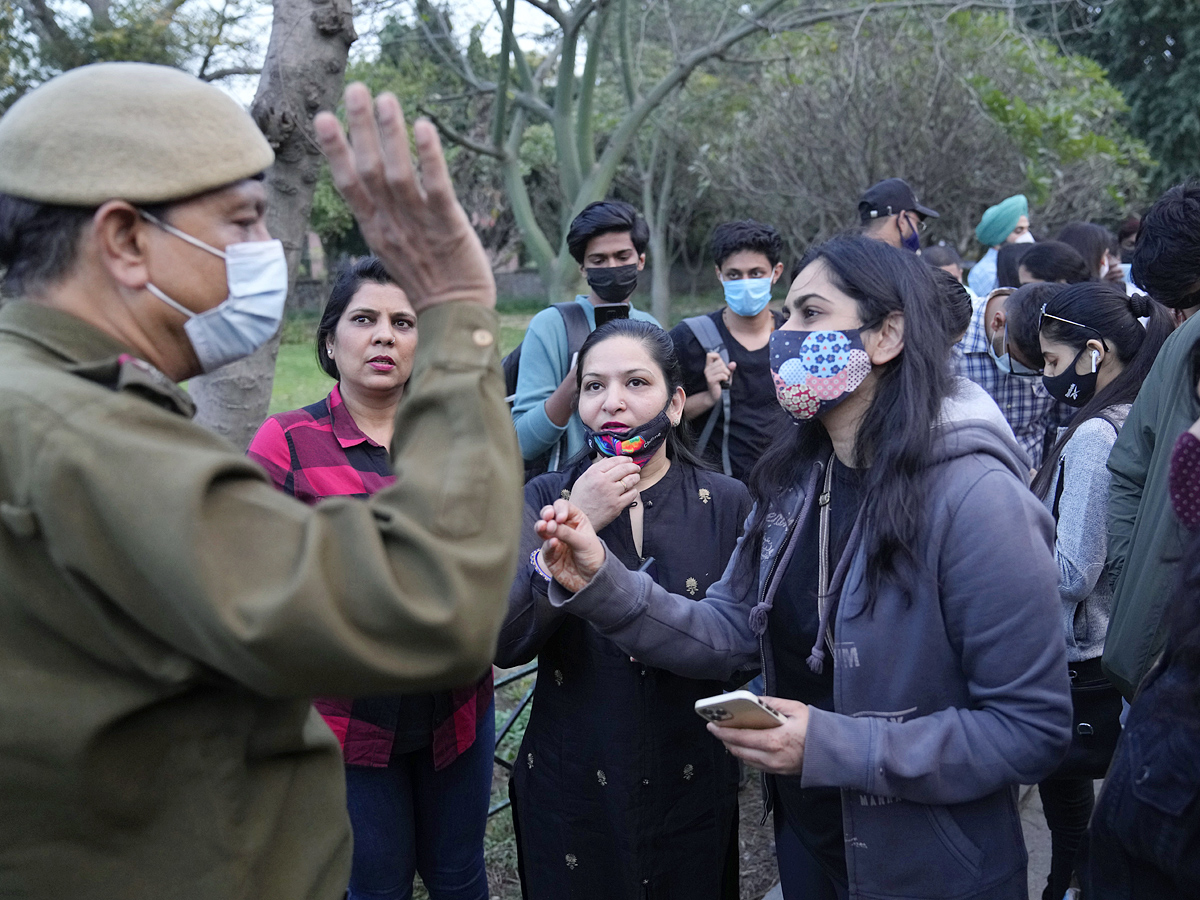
164, 611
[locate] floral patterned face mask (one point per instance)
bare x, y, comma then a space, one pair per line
814, 371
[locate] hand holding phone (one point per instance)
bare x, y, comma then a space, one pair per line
607, 312
738, 709
773, 741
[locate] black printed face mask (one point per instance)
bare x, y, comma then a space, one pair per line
613, 284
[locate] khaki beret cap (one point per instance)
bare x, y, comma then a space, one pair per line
128, 131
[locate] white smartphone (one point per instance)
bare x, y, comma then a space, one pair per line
738, 709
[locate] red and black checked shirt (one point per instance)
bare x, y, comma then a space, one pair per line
319, 451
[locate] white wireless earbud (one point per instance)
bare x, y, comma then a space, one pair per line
1095, 360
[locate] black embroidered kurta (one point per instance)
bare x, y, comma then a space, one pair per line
618, 789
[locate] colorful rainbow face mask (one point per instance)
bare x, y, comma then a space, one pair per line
814, 371
639, 444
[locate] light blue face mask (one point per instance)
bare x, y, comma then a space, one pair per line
1006, 363
257, 274
747, 296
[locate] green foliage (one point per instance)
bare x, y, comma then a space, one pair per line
409, 60
17, 56
1067, 113
1151, 51
969, 109
38, 41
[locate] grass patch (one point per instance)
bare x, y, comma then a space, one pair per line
299, 381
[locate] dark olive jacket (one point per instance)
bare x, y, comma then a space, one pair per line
165, 614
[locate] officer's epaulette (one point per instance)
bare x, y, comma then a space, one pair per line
128, 373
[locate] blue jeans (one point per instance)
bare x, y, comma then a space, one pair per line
409, 818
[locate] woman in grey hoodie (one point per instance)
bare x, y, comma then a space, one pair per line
1096, 356
896, 585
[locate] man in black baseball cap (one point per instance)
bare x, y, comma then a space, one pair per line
890, 212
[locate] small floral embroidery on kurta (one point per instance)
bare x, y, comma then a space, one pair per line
572, 861
691, 586
688, 771
566, 494
529, 759
558, 677
602, 778
705, 496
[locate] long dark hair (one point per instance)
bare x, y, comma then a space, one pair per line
1091, 240
1055, 261
661, 348
894, 442
349, 280
1109, 313
1008, 264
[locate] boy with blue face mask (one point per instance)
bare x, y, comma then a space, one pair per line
734, 433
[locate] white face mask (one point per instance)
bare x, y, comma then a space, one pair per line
258, 281
1025, 237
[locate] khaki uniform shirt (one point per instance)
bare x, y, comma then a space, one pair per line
165, 613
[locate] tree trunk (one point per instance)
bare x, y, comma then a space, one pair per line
303, 73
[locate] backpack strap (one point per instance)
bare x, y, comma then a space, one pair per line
705, 331
576, 322
575, 319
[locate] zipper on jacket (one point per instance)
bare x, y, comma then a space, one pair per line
762, 650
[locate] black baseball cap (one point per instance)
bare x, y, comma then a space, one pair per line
889, 197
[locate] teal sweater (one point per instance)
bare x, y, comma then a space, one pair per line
544, 364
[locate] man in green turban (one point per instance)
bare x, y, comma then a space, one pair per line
1005, 223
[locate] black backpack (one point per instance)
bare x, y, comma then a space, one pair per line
575, 320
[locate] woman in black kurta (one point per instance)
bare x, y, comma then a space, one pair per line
618, 790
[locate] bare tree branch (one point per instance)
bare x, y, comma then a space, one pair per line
41, 18
214, 40
100, 16
506, 48
552, 9
218, 74
167, 14
461, 139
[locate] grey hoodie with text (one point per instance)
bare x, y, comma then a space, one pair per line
943, 706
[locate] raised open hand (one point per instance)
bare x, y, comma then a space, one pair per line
571, 552
413, 223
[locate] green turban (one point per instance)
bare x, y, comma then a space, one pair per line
1000, 220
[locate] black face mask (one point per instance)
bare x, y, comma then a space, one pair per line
613, 284
638, 443
1069, 387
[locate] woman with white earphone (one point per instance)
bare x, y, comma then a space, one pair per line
1096, 355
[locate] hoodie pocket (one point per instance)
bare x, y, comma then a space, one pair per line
955, 840
905, 849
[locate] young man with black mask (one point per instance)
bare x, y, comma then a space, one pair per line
608, 240
747, 265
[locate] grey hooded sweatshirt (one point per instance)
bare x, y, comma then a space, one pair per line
943, 706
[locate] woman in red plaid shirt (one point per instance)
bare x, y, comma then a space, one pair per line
418, 766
